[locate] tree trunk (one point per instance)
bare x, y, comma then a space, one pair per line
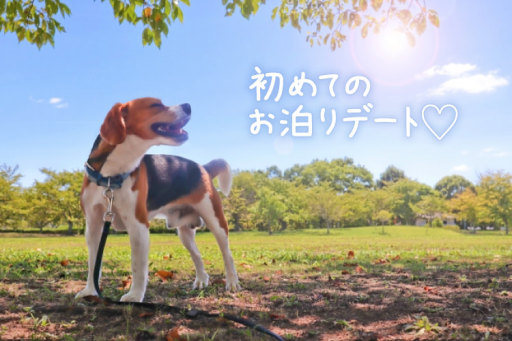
237, 226
70, 227
284, 225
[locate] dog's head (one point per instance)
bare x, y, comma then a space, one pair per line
148, 119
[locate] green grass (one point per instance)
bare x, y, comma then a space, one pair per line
282, 274
296, 251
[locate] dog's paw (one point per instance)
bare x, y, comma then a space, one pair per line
88, 291
201, 281
132, 297
232, 283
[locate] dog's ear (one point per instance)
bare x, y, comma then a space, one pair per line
113, 129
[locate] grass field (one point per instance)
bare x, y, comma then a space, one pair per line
407, 283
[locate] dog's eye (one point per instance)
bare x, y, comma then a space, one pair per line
157, 105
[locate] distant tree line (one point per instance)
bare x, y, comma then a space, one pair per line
321, 194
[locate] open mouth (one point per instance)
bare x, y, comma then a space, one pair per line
173, 130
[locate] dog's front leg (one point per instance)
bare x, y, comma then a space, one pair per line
92, 236
139, 242
187, 236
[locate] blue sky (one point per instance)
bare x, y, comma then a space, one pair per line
54, 100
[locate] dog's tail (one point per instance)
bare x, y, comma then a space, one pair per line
219, 167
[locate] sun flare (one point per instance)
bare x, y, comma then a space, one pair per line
393, 42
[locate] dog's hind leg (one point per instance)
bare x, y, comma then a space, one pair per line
187, 235
210, 209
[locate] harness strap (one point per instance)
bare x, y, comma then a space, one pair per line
113, 182
189, 313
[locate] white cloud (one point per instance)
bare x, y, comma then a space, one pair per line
460, 168
471, 84
463, 78
55, 100
501, 154
451, 70
61, 105
36, 100
494, 152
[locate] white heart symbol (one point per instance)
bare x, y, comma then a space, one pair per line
439, 112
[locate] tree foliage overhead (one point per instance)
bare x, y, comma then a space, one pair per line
326, 21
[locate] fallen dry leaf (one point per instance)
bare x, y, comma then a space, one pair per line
381, 261
351, 254
64, 262
174, 335
146, 314
359, 269
165, 275
277, 317
125, 283
219, 281
245, 265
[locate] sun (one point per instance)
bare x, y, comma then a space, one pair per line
393, 42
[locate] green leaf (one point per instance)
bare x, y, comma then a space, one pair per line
376, 4
274, 12
422, 25
186, 2
157, 39
174, 13
364, 30
20, 32
333, 44
411, 39
433, 17
2, 6
167, 8
147, 36
180, 14
363, 5
64, 9
330, 19
247, 9
165, 28
230, 8
404, 16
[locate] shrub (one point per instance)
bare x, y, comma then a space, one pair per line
437, 223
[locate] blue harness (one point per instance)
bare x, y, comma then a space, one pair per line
113, 182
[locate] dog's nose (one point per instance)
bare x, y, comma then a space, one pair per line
186, 108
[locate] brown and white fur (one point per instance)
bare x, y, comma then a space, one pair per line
158, 185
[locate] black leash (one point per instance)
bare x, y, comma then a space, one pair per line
189, 313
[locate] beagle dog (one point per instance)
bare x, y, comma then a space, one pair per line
147, 186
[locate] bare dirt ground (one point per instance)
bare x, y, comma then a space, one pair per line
475, 304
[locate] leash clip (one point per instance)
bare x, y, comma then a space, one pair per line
108, 193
